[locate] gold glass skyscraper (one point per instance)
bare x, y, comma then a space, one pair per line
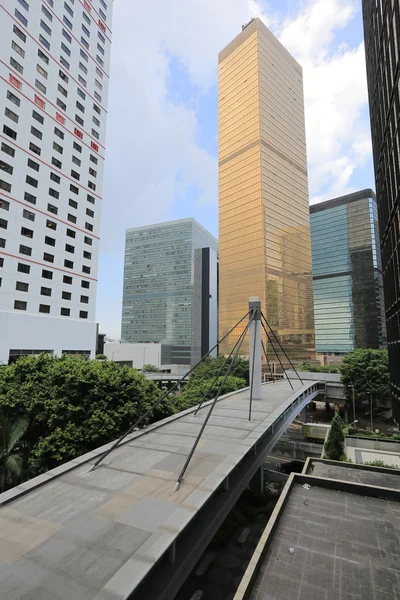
264, 223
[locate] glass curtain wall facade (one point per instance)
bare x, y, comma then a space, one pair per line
382, 38
347, 274
264, 227
162, 294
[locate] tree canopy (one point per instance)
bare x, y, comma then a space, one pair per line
368, 371
334, 445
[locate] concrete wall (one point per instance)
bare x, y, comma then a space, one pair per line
138, 354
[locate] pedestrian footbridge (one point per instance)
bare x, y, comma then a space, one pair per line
123, 530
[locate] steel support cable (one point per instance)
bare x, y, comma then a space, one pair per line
268, 363
281, 347
277, 355
141, 419
216, 377
189, 458
254, 359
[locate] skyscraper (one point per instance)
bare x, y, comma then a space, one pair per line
347, 273
382, 35
55, 60
170, 289
264, 223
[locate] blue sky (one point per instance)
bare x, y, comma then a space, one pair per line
161, 160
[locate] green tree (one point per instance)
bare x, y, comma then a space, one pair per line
312, 368
210, 367
334, 445
11, 458
368, 371
73, 405
194, 391
151, 368
101, 357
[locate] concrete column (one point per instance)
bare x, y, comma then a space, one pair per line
256, 484
255, 352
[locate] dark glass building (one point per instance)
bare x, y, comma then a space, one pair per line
382, 38
347, 274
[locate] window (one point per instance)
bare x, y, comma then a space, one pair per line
4, 205
93, 159
80, 93
99, 72
88, 240
43, 41
55, 178
33, 164
2, 245
19, 33
24, 4
65, 312
77, 147
63, 76
22, 268
71, 233
84, 55
103, 16
61, 104
49, 241
75, 175
73, 203
38, 117
47, 274
83, 314
76, 160
54, 193
91, 185
92, 172
84, 43
27, 214
18, 49
96, 121
85, 284
59, 132
86, 269
81, 80
21, 18
85, 30
18, 304
64, 62
57, 163
67, 22
62, 90
83, 68
29, 198
4, 185
6, 167
71, 218
45, 291
27, 232
40, 86
69, 264
85, 299
87, 255
31, 181
11, 115
21, 286
51, 224
10, 132
7, 149
101, 37
84, 15
69, 248
67, 279
90, 213
74, 189
100, 49
44, 26
52, 209
96, 109
80, 106
44, 308
104, 5
3, 224
68, 9
79, 120
48, 257
25, 250
95, 134
57, 147
34, 148
43, 56
36, 132
66, 295
78, 133
65, 49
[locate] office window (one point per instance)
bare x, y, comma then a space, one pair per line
44, 26
85, 284
45, 291
19, 33
43, 56
34, 148
25, 250
85, 299
53, 193
83, 68
49, 241
31, 181
95, 134
66, 295
73, 189
69, 264
84, 43
104, 5
57, 163
36, 132
73, 203
87, 255
83, 314
61, 104
30, 198
55, 178
63, 76
92, 186
42, 71
67, 22
15, 65
11, 115
21, 286
57, 147
101, 37
44, 308
43, 41
22, 268
86, 269
67, 279
2, 245
84, 15
93, 159
96, 121
18, 49
47, 274
75, 175
7, 149
4, 205
100, 49
64, 62
98, 84
71, 218
59, 133
71, 233
76, 160
88, 240
27, 232
90, 213
68, 9
33, 164
52, 209
3, 224
51, 224
69, 248
80, 106
84, 55
80, 93
27, 214
99, 72
48, 257
77, 147
85, 30
4, 185
79, 120
82, 80
62, 90
40, 86
6, 167
19, 305
10, 132
96, 109
65, 49
65, 312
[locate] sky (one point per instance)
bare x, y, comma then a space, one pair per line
162, 129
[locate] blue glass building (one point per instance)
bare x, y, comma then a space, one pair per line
347, 274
